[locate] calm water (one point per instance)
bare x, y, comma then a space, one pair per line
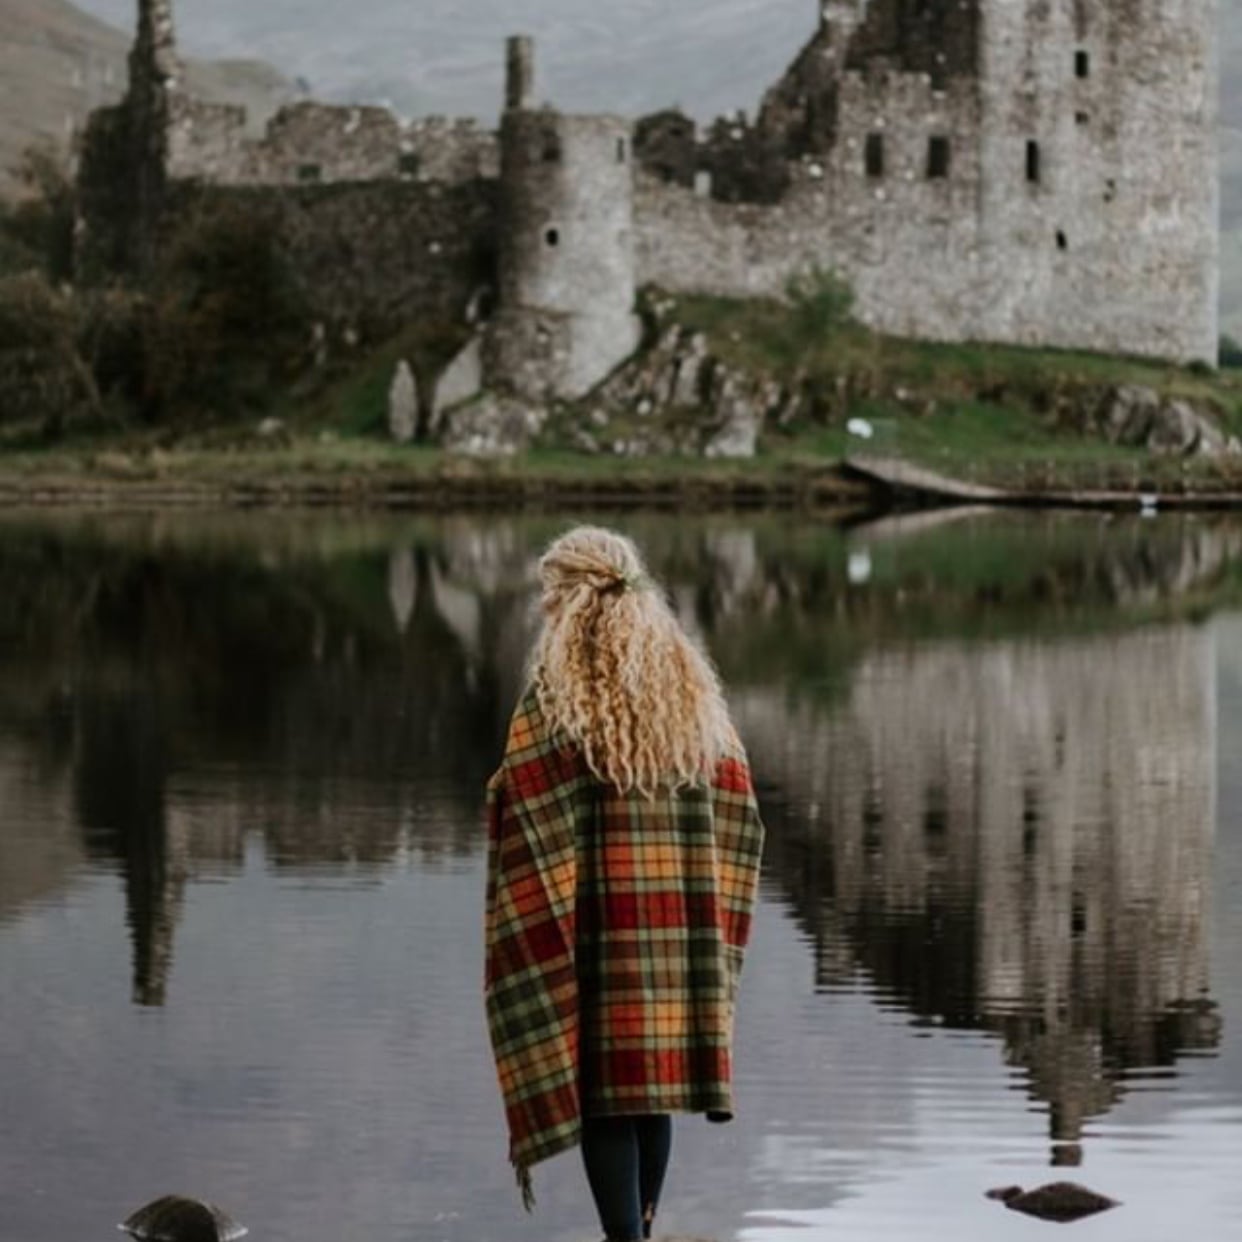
241, 873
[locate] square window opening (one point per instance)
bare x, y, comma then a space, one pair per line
1082, 63
939, 157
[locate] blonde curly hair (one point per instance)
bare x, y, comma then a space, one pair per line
615, 673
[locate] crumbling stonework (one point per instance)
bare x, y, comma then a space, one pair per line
1039, 172
371, 257
309, 142
566, 273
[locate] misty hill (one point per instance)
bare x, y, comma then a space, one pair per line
57, 63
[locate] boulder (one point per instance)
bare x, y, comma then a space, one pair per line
493, 426
461, 381
402, 404
1140, 417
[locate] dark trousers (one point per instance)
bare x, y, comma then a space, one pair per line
625, 1159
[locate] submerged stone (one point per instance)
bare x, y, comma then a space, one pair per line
1057, 1201
175, 1218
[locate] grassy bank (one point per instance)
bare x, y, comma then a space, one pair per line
365, 473
1004, 416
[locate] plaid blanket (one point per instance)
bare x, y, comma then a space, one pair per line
615, 928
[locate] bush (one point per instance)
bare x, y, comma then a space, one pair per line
36, 231
224, 326
1230, 352
822, 305
43, 377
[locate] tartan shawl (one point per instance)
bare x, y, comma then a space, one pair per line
615, 928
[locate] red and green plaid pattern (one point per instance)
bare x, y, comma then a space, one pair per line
615, 931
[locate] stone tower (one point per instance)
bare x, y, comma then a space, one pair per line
566, 263
153, 60
154, 71
1100, 195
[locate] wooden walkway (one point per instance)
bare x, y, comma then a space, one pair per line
906, 480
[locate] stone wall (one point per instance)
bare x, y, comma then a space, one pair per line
374, 256
1041, 173
876, 230
311, 142
1046, 176
1115, 246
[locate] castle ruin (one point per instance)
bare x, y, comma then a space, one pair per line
1036, 172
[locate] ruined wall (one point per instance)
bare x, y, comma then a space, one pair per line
311, 142
1114, 244
1039, 173
373, 255
878, 230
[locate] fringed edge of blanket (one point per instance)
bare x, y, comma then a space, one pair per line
567, 1138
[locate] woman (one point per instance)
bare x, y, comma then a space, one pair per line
624, 844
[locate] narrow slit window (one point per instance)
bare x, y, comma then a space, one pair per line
1082, 63
552, 237
1062, 240
875, 155
620, 150
939, 155
1034, 163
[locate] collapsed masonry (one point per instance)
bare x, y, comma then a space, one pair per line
1041, 172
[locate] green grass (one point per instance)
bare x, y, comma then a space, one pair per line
756, 335
980, 412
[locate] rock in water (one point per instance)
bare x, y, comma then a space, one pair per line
177, 1219
403, 404
1057, 1201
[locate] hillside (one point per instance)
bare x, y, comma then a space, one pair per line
58, 63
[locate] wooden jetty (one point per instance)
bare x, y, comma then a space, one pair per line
908, 482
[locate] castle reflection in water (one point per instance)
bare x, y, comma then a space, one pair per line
1014, 837
1010, 833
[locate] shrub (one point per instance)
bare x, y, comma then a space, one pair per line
43, 377
822, 305
36, 231
224, 326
